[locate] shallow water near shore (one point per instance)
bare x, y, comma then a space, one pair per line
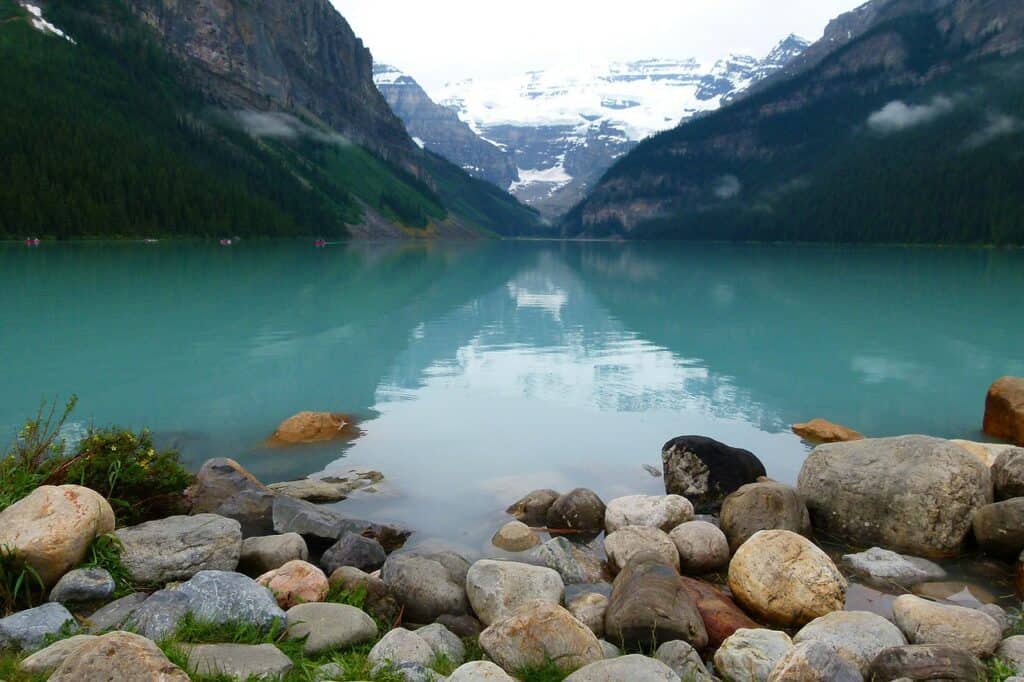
483, 370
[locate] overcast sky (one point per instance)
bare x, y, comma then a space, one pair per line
442, 40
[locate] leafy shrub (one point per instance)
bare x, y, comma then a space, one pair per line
34, 453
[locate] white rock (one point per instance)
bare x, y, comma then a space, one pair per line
497, 588
751, 655
625, 543
857, 636
653, 511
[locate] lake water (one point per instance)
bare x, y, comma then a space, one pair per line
483, 370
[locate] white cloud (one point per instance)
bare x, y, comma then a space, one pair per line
998, 125
447, 40
728, 187
898, 116
276, 125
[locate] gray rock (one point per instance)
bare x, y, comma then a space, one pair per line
911, 494
705, 471
223, 597
82, 586
1011, 650
158, 617
632, 667
390, 537
49, 659
751, 655
327, 672
650, 605
238, 661
497, 588
926, 622
702, 546
479, 671
625, 543
998, 615
444, 643
575, 563
882, 566
331, 489
354, 550
329, 627
580, 509
113, 615
379, 601
1008, 474
765, 505
814, 661
462, 626
178, 547
684, 661
609, 650
429, 585
400, 646
654, 511
27, 630
263, 554
308, 520
414, 672
999, 527
589, 609
225, 488
533, 508
857, 636
926, 662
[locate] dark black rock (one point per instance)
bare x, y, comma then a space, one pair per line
580, 510
705, 471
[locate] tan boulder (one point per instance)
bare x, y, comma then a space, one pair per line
297, 582
1004, 410
314, 427
783, 579
823, 431
120, 656
539, 632
52, 528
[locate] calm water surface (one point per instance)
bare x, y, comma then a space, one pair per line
485, 370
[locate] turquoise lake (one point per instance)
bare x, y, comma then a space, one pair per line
483, 370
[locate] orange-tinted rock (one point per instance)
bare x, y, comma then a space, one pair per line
297, 582
1004, 410
314, 427
721, 616
824, 431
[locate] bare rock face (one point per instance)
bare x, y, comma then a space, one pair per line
51, 529
1004, 410
783, 579
705, 471
911, 494
765, 505
314, 427
120, 656
538, 632
823, 431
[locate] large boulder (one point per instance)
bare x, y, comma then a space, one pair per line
882, 566
579, 510
926, 662
1004, 410
823, 431
224, 487
29, 629
220, 597
766, 505
263, 554
576, 563
927, 622
632, 667
314, 427
986, 453
702, 546
783, 579
650, 605
705, 471
328, 627
532, 509
654, 511
1008, 474
497, 588
539, 632
378, 600
314, 523
120, 656
51, 529
297, 582
858, 636
999, 527
910, 494
178, 547
365, 554
428, 585
626, 543
722, 618
814, 661
750, 655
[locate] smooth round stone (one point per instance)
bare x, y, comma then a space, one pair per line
764, 505
632, 667
703, 547
684, 661
609, 649
352, 549
999, 527
926, 662
814, 661
297, 582
401, 646
83, 585
580, 510
589, 609
444, 642
29, 629
480, 671
626, 543
858, 636
238, 661
653, 511
515, 536
1008, 474
539, 632
263, 554
1011, 650
751, 655
428, 585
497, 588
329, 627
532, 509
926, 622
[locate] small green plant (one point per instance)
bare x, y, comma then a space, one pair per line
105, 552
339, 595
999, 670
20, 585
546, 672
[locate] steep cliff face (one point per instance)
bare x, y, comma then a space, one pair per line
440, 130
882, 131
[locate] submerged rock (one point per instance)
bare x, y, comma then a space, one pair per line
823, 431
333, 488
579, 510
1004, 410
882, 566
314, 427
705, 471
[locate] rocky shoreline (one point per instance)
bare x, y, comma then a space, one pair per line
727, 576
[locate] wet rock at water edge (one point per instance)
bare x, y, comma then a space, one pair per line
314, 427
750, 655
783, 579
579, 510
224, 487
515, 536
664, 512
957, 593
819, 431
83, 586
329, 627
532, 509
883, 566
428, 585
926, 662
705, 471
999, 527
497, 588
911, 494
262, 554
178, 547
365, 554
333, 488
926, 622
703, 547
1004, 410
765, 505
28, 630
539, 632
857, 636
297, 582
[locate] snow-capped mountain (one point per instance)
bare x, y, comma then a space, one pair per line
565, 127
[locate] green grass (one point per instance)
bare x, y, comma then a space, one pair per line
547, 672
105, 552
999, 670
